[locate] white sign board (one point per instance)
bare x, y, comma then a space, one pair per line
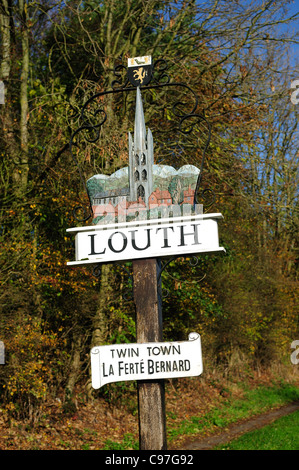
146, 239
137, 61
146, 361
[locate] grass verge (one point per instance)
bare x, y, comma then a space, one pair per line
283, 434
253, 402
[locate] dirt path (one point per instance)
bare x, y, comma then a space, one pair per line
238, 429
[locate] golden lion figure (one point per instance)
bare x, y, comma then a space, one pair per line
140, 74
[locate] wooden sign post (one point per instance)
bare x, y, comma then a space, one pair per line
149, 328
142, 213
147, 297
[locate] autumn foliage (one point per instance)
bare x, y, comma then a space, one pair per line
54, 57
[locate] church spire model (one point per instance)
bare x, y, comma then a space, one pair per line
141, 157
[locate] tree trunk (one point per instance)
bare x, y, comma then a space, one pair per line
75, 368
5, 39
21, 176
100, 322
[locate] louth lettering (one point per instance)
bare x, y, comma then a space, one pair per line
143, 238
147, 239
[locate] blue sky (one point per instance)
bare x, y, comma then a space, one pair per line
294, 9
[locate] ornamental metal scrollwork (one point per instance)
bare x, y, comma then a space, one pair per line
93, 116
92, 121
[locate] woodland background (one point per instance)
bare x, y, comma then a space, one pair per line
237, 56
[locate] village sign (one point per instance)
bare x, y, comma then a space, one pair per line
144, 210
142, 213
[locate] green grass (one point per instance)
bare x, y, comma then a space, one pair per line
253, 402
128, 443
283, 434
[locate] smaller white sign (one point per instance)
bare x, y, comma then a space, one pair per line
146, 361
